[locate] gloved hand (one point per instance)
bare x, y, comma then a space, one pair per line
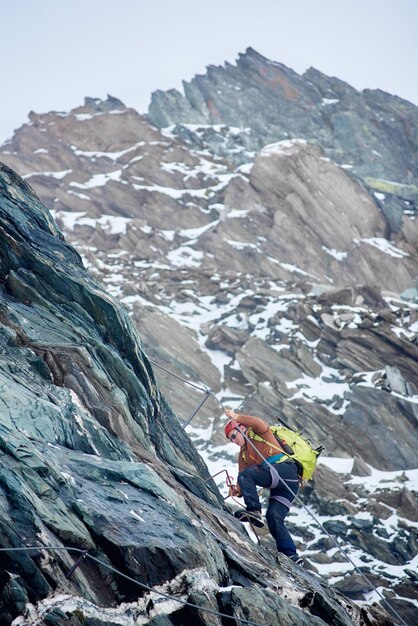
234, 490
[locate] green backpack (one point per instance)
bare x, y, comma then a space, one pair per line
296, 448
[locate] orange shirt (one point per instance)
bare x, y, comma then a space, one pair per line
247, 456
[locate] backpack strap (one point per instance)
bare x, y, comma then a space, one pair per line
252, 435
299, 465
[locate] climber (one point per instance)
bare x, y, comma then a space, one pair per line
255, 472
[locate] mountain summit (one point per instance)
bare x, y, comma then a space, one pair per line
94, 463
281, 276
371, 133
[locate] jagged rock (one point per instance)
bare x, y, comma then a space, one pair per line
259, 362
281, 204
385, 432
336, 527
412, 575
271, 102
354, 586
271, 606
364, 525
411, 294
178, 351
305, 102
229, 340
164, 222
357, 295
102, 106
329, 494
378, 509
319, 557
406, 608
405, 544
93, 457
408, 505
394, 552
299, 354
324, 544
395, 380
237, 382
101, 166
360, 467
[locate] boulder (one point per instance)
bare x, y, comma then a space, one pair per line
360, 467
227, 339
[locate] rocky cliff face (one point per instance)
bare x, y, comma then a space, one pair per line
271, 274
371, 133
93, 458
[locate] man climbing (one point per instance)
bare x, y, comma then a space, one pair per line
254, 471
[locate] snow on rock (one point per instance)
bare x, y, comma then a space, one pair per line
385, 246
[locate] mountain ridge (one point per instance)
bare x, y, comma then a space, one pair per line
371, 132
155, 515
273, 275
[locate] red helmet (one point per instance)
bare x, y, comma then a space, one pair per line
231, 425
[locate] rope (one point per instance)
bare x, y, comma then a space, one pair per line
142, 585
197, 409
206, 390
187, 382
296, 497
229, 483
343, 552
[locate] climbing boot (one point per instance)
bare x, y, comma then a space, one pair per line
253, 517
297, 560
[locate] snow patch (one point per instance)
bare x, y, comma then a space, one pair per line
282, 147
326, 387
112, 224
194, 233
56, 175
337, 464
98, 180
185, 257
240, 245
384, 246
113, 156
340, 256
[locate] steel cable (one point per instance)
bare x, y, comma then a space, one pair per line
142, 585
298, 499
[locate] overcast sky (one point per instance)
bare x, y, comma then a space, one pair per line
56, 52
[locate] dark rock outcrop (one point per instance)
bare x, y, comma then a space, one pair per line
372, 133
93, 458
276, 283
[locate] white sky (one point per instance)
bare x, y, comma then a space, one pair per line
56, 52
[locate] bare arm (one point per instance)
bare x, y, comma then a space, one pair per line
258, 425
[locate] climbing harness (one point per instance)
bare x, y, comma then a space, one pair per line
229, 482
326, 532
209, 392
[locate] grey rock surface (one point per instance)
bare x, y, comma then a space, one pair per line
93, 458
140, 203
371, 132
269, 274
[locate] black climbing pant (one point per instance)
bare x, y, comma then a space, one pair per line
266, 475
